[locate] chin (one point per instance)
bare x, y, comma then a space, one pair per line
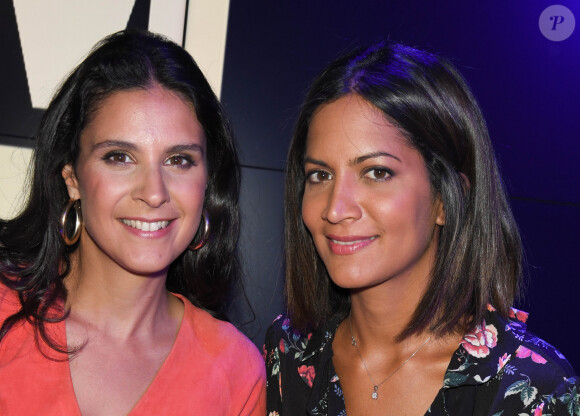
147, 270
351, 281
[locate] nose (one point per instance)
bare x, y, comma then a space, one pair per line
342, 203
151, 187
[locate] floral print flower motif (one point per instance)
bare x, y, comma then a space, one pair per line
538, 410
571, 400
523, 352
503, 361
286, 324
519, 315
479, 341
307, 373
480, 380
523, 389
338, 391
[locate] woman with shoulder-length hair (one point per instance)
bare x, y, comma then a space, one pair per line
402, 255
116, 276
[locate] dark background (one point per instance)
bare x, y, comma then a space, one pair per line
528, 87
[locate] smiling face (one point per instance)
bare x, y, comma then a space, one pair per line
367, 201
141, 176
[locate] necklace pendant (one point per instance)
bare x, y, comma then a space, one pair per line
375, 394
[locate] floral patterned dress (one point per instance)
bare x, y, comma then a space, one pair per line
498, 369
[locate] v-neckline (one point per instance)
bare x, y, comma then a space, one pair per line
62, 335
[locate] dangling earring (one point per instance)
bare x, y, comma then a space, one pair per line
205, 235
76, 203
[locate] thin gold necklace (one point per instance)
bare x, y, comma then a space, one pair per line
375, 394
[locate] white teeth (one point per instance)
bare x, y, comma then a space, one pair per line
349, 243
146, 226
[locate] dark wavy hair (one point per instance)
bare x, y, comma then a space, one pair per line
33, 257
479, 255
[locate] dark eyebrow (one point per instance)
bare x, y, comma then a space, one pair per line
361, 159
356, 161
114, 143
315, 162
194, 147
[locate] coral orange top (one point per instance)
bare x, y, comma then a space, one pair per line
212, 369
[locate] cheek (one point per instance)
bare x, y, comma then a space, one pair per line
94, 184
405, 210
99, 201
421, 216
193, 196
309, 210
190, 187
99, 187
189, 195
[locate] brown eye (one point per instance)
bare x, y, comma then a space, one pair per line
318, 176
179, 160
117, 158
378, 174
321, 176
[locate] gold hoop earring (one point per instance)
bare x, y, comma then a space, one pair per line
205, 235
76, 204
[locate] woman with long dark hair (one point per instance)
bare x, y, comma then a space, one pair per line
116, 276
402, 255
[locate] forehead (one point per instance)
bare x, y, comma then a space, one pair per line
149, 96
155, 114
352, 122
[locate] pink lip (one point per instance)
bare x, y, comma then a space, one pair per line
148, 234
345, 245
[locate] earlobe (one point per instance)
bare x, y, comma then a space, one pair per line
440, 218
70, 179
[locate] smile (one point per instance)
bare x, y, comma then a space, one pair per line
353, 242
145, 226
343, 246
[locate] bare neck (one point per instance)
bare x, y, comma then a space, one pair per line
379, 314
117, 301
